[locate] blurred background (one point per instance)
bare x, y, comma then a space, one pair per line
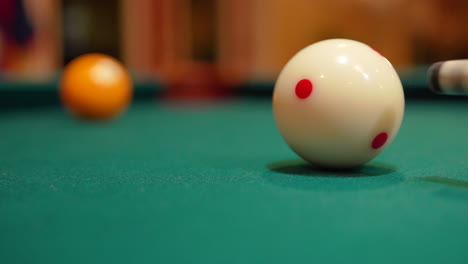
239, 40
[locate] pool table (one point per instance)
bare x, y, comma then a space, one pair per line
211, 181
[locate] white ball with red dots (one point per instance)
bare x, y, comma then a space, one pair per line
338, 103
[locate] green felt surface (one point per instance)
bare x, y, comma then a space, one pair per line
215, 183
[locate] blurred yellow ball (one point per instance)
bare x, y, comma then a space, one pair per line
95, 86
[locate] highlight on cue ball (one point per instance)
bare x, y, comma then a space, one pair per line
338, 103
449, 77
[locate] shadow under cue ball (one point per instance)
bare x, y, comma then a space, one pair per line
95, 86
338, 103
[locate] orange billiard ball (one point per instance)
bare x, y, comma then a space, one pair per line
95, 86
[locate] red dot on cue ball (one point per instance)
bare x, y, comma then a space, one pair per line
304, 88
379, 140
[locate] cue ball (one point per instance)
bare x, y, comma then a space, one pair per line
338, 103
95, 86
